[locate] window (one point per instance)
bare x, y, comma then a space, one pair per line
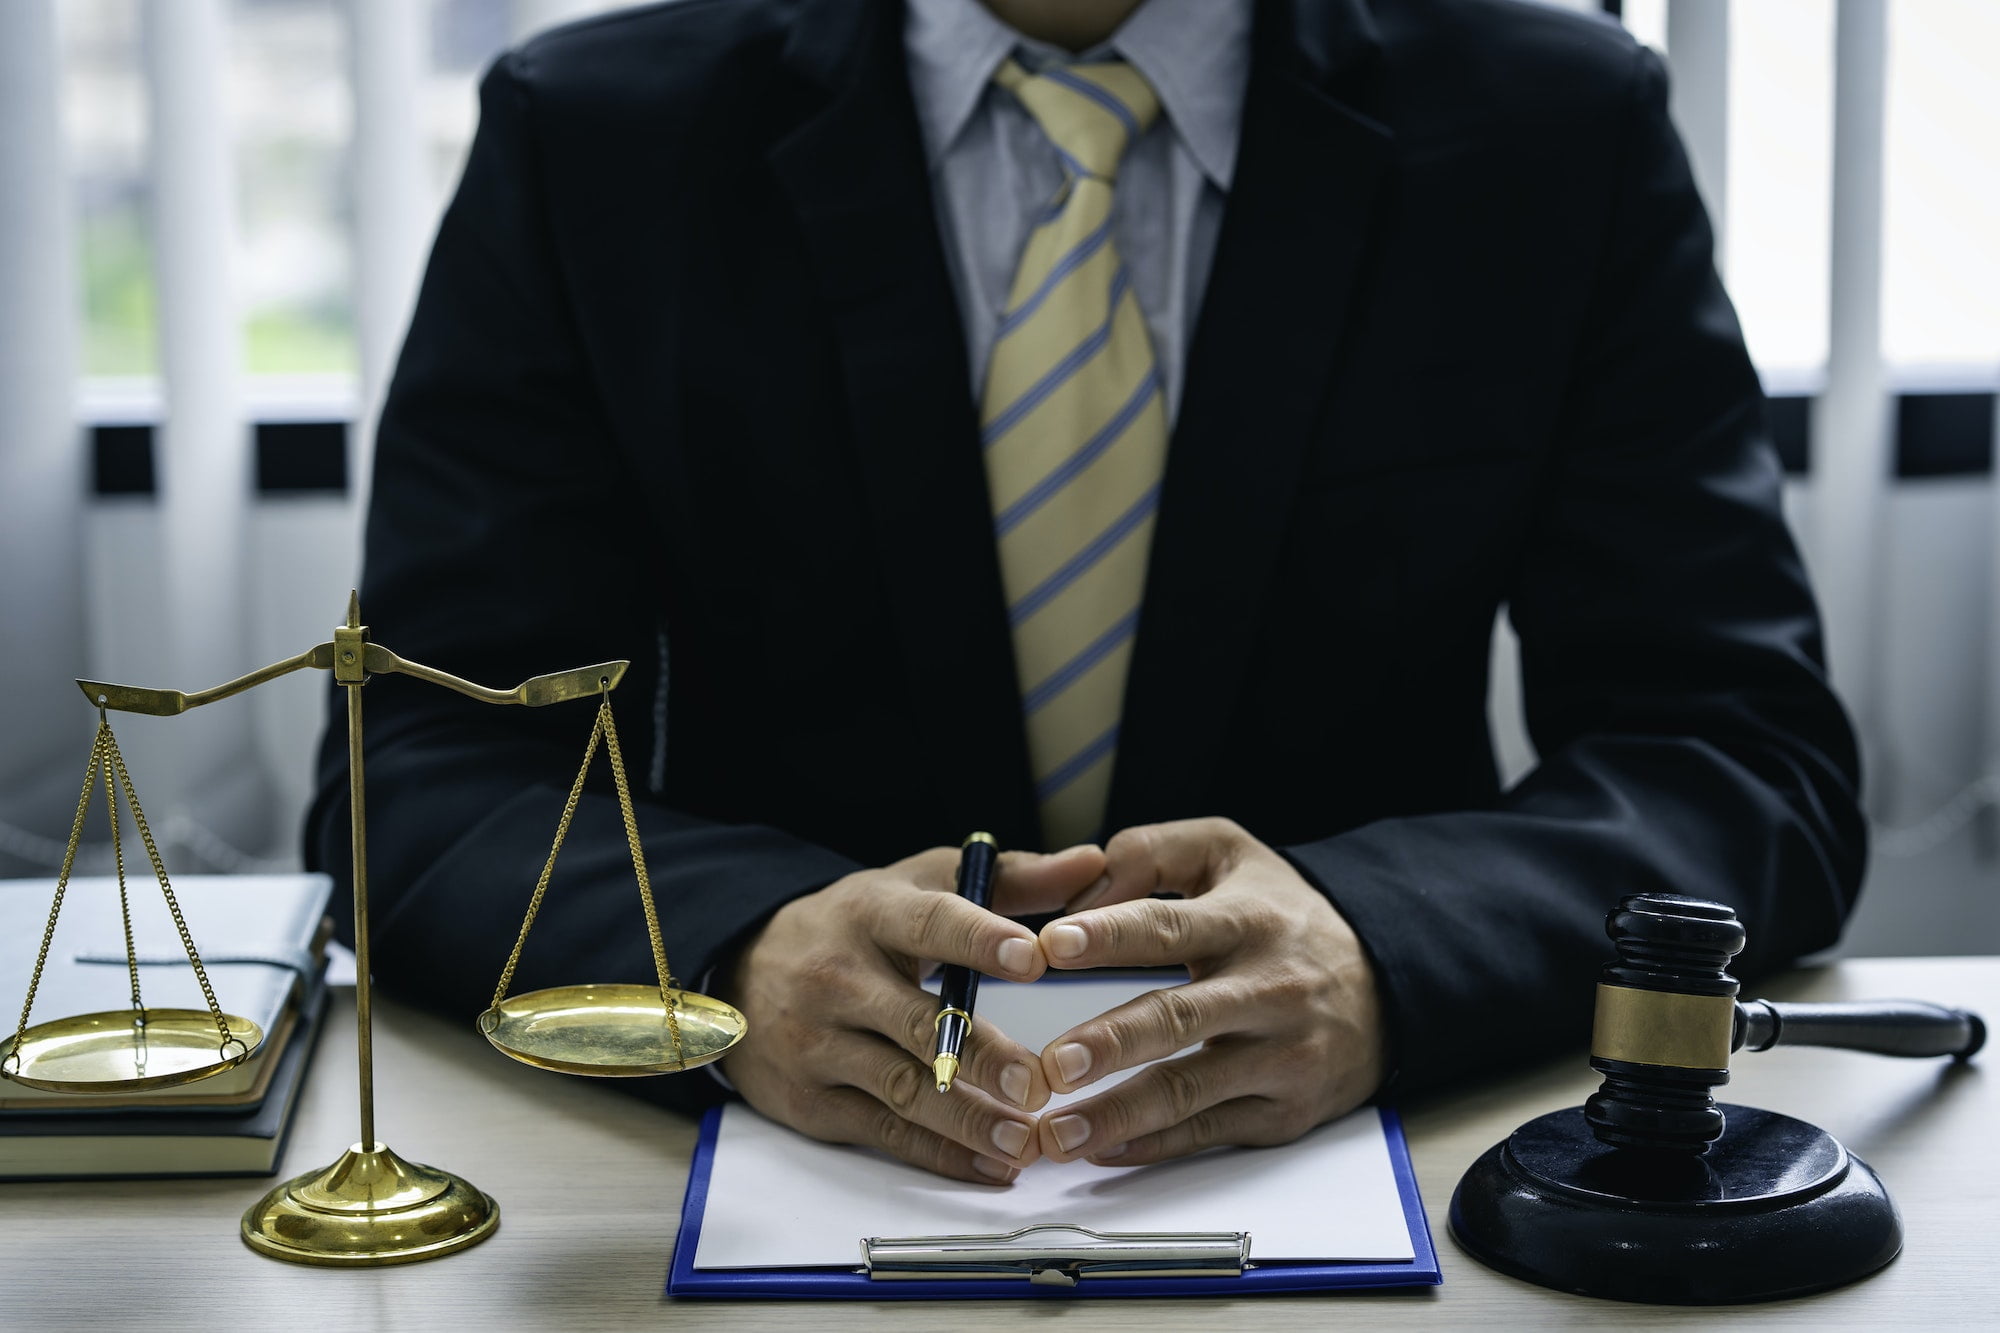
1941, 269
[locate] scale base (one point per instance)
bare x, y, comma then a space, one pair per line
1775, 1208
369, 1209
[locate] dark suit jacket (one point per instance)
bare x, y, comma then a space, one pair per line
686, 385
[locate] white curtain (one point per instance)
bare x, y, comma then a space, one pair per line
1851, 422
44, 735
531, 16
210, 774
394, 207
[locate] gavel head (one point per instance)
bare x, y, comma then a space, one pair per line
1666, 1011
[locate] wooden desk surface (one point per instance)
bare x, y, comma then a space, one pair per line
165, 1254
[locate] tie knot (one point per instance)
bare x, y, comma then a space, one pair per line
1090, 112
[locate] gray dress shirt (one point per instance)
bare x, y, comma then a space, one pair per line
992, 168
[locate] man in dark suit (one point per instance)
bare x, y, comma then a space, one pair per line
760, 330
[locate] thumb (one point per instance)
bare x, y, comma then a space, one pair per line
1184, 857
1032, 882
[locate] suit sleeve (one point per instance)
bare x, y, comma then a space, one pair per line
500, 545
1672, 668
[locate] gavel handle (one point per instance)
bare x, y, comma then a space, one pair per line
1886, 1027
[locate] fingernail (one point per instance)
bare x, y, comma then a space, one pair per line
1014, 1084
1071, 1131
1072, 1062
1017, 956
1010, 1137
999, 1171
1066, 941
1089, 897
1106, 1154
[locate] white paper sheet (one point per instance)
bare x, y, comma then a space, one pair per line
777, 1199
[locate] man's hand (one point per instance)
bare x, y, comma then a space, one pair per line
841, 1033
1281, 1000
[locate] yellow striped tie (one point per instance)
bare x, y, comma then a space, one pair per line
1075, 434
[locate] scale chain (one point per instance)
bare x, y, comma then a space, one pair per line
549, 867
167, 891
62, 886
105, 742
606, 729
667, 994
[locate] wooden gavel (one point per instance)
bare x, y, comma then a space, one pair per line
1639, 1195
1668, 1021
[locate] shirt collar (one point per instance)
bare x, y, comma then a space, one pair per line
1195, 53
952, 48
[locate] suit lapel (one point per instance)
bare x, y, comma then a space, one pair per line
1292, 239
854, 172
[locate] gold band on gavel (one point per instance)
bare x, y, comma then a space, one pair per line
1656, 1027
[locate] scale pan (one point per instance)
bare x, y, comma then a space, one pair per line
109, 1052
610, 1031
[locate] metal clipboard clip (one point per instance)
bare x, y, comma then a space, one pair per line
1057, 1255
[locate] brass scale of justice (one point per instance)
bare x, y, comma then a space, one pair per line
371, 1206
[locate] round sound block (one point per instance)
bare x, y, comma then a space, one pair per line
1775, 1208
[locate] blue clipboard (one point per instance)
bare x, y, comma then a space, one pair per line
685, 1280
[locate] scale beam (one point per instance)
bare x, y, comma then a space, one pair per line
172, 703
535, 692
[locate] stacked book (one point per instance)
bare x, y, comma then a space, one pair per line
262, 940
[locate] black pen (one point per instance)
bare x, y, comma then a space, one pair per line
976, 860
